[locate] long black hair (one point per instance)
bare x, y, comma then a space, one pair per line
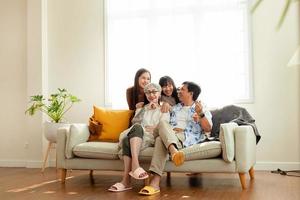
136, 87
163, 81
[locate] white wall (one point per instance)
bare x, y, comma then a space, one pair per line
75, 60
76, 52
277, 93
13, 94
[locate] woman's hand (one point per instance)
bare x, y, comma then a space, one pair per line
165, 107
139, 105
150, 129
153, 105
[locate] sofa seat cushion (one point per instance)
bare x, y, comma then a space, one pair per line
196, 152
103, 150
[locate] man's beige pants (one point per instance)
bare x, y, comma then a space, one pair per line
160, 154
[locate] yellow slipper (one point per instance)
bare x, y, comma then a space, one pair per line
149, 190
178, 158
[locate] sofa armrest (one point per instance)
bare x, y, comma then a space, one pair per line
78, 133
245, 148
61, 146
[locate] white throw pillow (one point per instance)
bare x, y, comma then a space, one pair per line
227, 140
78, 133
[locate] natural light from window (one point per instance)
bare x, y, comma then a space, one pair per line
205, 41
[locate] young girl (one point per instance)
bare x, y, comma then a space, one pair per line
139, 136
135, 95
169, 96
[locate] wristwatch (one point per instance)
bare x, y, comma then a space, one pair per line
201, 115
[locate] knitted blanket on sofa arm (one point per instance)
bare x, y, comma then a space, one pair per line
232, 113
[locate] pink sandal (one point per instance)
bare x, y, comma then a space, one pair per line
118, 187
139, 174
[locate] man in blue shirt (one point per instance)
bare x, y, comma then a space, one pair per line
187, 126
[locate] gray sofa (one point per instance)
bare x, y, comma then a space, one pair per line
235, 153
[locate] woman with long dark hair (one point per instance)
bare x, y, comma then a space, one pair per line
135, 95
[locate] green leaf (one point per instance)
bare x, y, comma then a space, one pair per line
283, 13
57, 104
255, 5
74, 99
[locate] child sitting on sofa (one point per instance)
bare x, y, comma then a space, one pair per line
169, 95
139, 136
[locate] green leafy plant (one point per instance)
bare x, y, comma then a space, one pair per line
283, 13
58, 104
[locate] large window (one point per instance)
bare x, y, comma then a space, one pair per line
205, 41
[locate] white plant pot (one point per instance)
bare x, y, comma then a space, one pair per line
50, 130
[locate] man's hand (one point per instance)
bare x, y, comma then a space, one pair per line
198, 107
198, 111
196, 117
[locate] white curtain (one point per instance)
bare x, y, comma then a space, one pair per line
205, 41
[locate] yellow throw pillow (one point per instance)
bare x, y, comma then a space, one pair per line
113, 122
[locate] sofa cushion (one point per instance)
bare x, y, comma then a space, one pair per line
104, 150
113, 122
196, 152
227, 140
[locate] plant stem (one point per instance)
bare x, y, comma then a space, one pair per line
283, 14
254, 7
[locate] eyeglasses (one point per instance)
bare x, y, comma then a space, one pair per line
151, 92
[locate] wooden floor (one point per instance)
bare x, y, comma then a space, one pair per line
23, 183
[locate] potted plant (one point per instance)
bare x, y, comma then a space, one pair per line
285, 9
57, 106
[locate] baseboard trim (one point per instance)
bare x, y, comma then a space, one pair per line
266, 166
12, 163
25, 163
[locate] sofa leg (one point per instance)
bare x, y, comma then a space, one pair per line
243, 180
251, 173
63, 175
168, 175
91, 173
92, 177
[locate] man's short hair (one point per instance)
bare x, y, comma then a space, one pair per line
193, 87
